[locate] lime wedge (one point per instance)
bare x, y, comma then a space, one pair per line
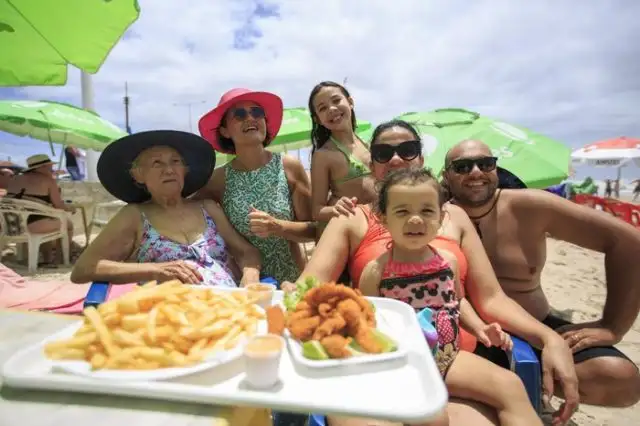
314, 350
387, 343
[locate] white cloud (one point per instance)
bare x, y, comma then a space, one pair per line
567, 69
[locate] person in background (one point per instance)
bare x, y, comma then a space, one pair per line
72, 156
340, 175
6, 174
161, 234
37, 183
636, 189
607, 188
265, 195
513, 226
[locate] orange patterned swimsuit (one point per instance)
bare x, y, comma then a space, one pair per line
428, 285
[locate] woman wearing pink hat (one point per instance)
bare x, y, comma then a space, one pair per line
265, 195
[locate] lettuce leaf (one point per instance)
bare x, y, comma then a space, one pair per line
291, 299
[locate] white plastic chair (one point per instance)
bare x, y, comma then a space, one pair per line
13, 227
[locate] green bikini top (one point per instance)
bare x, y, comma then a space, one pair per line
357, 169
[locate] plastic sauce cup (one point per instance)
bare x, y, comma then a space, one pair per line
262, 292
262, 360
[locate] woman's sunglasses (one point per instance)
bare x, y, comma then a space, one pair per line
241, 114
464, 166
383, 153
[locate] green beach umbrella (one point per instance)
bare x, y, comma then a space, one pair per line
535, 159
39, 38
57, 123
294, 133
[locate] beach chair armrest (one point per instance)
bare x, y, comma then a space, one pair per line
97, 294
272, 281
524, 362
99, 291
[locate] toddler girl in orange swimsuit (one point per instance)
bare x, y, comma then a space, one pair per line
413, 271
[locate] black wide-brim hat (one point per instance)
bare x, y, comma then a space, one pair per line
114, 165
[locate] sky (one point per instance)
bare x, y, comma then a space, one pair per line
569, 70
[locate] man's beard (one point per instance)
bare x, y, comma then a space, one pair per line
462, 200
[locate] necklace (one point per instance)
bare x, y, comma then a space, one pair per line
476, 219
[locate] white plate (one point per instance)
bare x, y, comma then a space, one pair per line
83, 368
389, 322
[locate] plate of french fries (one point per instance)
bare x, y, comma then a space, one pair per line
158, 331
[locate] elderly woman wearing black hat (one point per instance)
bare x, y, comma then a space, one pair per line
161, 234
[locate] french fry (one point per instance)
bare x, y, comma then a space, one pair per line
101, 329
160, 326
151, 324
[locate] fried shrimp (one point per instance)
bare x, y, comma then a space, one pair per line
331, 325
333, 315
337, 346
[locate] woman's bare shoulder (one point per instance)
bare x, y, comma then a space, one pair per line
457, 215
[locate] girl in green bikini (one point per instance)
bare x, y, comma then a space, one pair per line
340, 176
265, 195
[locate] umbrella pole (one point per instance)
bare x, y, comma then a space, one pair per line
88, 104
60, 161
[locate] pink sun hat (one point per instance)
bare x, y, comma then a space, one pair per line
210, 122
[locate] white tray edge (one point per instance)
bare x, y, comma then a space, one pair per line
210, 395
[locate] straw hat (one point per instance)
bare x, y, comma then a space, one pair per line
36, 161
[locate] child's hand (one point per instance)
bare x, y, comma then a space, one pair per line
492, 335
288, 287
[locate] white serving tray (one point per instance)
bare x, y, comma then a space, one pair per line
389, 321
407, 390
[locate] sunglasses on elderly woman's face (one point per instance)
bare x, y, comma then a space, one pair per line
383, 153
241, 114
464, 166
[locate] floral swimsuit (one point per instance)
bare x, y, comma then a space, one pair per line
208, 253
428, 285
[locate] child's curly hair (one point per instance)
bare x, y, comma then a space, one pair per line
411, 176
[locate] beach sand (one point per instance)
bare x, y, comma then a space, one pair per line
575, 283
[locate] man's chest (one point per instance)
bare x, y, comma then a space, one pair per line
514, 246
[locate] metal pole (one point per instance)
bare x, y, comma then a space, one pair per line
92, 157
189, 111
126, 108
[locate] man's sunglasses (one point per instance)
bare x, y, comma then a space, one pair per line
241, 114
383, 153
464, 166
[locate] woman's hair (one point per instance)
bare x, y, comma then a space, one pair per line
411, 176
320, 134
383, 127
227, 143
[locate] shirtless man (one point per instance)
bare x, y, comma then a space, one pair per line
513, 226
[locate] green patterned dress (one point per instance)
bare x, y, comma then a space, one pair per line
265, 189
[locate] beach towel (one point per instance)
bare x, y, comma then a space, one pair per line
61, 296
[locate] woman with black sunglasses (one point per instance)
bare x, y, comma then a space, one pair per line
360, 238
265, 195
340, 175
